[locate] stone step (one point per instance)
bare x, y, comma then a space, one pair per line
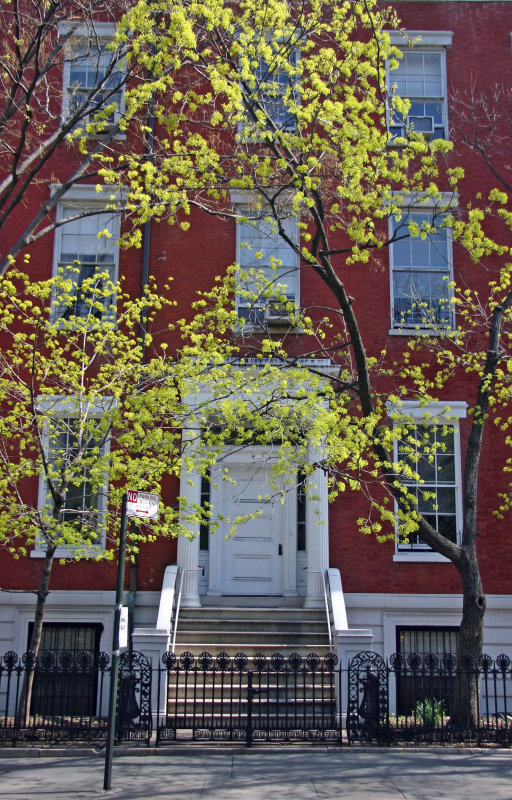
211, 696
258, 615
193, 623
293, 712
250, 650
238, 638
268, 722
231, 629
251, 601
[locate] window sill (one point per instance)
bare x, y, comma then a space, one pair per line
67, 552
268, 329
95, 137
421, 556
420, 331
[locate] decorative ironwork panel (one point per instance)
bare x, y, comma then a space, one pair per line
134, 720
368, 698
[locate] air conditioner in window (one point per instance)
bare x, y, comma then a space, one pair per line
423, 125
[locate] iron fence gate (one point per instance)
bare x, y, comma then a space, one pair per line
251, 699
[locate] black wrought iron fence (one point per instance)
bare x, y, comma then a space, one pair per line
427, 698
69, 697
417, 698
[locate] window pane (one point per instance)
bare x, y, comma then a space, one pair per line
413, 63
445, 469
82, 249
262, 240
419, 77
70, 455
429, 450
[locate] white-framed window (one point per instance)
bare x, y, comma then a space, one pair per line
92, 73
269, 275
275, 87
421, 271
430, 445
83, 502
76, 446
86, 251
421, 78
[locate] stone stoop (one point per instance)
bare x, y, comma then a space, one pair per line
263, 629
283, 700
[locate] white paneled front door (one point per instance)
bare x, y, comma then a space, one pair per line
259, 558
253, 556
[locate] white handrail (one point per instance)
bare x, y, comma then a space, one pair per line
339, 611
326, 603
327, 609
178, 604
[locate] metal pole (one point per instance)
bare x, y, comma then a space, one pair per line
250, 696
114, 669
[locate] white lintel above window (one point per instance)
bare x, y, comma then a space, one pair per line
421, 38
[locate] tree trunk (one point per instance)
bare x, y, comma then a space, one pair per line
466, 710
23, 711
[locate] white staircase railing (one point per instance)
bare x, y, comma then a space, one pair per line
181, 574
325, 587
337, 599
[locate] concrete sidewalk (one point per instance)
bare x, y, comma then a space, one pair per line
304, 773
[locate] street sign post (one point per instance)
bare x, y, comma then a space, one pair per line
145, 506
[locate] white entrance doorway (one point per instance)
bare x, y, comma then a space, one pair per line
259, 558
253, 556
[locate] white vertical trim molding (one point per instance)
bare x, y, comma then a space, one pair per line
317, 534
188, 547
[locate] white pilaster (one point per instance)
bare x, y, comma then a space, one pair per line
317, 536
153, 643
188, 546
348, 644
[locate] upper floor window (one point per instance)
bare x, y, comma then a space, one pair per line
76, 447
431, 448
421, 272
269, 276
74, 451
86, 251
421, 78
93, 75
276, 87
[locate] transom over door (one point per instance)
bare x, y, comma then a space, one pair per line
252, 558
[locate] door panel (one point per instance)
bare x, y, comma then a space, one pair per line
252, 557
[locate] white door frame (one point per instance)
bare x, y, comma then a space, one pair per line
317, 543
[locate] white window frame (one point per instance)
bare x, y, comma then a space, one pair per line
85, 198
63, 408
269, 317
436, 413
422, 42
98, 34
418, 205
